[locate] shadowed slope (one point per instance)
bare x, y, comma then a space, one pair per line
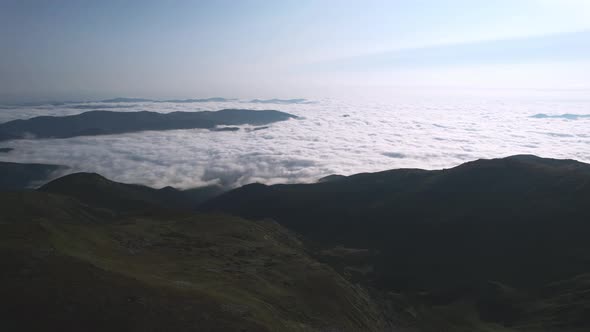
522, 220
76, 267
98, 191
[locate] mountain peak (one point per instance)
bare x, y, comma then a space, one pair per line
75, 179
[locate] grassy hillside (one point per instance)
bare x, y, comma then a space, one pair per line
74, 267
489, 246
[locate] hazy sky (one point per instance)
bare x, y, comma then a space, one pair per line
93, 49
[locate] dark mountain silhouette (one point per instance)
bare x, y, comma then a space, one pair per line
98, 191
100, 106
38, 103
126, 100
331, 178
281, 101
16, 176
489, 246
521, 220
105, 122
204, 100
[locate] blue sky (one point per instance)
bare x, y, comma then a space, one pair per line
92, 49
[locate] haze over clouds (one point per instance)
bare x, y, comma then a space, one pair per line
76, 50
333, 137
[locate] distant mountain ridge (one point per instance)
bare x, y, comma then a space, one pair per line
281, 101
106, 122
188, 100
126, 100
198, 100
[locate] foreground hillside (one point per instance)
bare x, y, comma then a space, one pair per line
77, 268
472, 232
489, 246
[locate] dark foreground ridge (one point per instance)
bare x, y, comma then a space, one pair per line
489, 246
98, 191
107, 122
493, 231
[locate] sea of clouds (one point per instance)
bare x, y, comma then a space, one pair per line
333, 136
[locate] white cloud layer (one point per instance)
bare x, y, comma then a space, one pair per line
333, 137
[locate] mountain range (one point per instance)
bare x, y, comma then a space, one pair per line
485, 218
110, 122
494, 245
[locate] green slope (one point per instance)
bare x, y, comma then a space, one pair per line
489, 246
74, 267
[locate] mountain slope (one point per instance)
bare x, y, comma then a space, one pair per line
75, 267
520, 220
98, 191
489, 246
